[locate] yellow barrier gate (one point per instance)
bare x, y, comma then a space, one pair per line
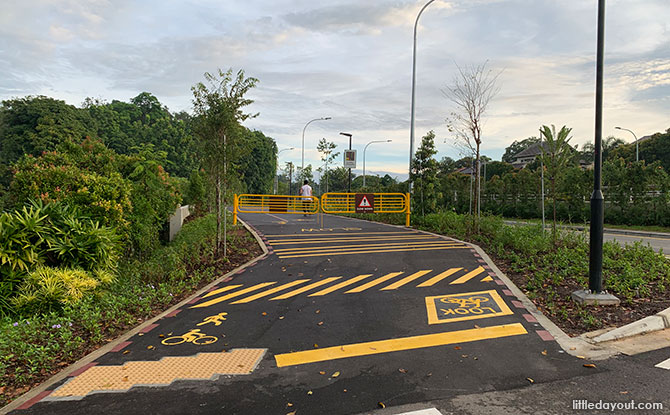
366, 203
246, 203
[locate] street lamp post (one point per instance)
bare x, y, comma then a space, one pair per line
365, 148
411, 127
277, 169
349, 185
302, 166
637, 145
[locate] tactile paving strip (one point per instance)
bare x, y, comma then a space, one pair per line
161, 372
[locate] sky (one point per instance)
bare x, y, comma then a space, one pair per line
352, 61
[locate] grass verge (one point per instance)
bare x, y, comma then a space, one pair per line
33, 349
548, 273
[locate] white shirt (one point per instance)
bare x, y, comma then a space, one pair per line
306, 190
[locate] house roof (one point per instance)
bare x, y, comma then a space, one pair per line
532, 151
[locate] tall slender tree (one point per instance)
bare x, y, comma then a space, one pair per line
218, 112
556, 155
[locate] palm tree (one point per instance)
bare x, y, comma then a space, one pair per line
556, 154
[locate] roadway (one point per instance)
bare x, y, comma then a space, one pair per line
340, 319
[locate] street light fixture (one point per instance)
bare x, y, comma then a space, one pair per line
302, 167
365, 148
277, 168
637, 145
349, 185
411, 127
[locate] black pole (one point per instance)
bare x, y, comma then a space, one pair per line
349, 187
597, 200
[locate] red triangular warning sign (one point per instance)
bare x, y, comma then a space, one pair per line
364, 202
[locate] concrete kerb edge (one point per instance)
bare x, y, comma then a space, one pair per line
649, 324
91, 357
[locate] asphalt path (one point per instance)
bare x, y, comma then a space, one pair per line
338, 319
658, 244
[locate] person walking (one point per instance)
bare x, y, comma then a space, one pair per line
306, 193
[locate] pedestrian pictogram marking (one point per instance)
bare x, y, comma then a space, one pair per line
343, 284
406, 280
470, 275
232, 295
269, 292
439, 277
373, 282
465, 306
401, 344
303, 289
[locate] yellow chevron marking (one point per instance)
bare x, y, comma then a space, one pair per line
405, 280
439, 277
487, 279
221, 290
232, 295
352, 247
340, 285
373, 282
269, 292
436, 248
306, 288
467, 277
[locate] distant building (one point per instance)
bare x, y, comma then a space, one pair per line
528, 155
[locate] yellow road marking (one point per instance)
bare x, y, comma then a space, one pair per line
374, 252
331, 240
340, 285
221, 290
308, 235
269, 292
373, 282
306, 288
232, 295
439, 277
309, 249
487, 279
394, 345
467, 277
405, 280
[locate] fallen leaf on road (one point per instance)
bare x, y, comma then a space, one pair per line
264, 313
322, 373
381, 404
320, 323
283, 269
125, 379
624, 392
573, 348
457, 347
344, 390
334, 375
316, 346
530, 380
140, 334
476, 326
402, 370
291, 413
317, 311
161, 335
544, 352
126, 351
289, 404
150, 347
464, 356
310, 392
591, 365
580, 357
281, 317
300, 274
476, 358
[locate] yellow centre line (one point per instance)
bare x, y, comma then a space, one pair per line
467, 277
330, 240
306, 288
269, 292
359, 246
436, 248
439, 277
373, 282
232, 295
395, 345
340, 285
221, 290
407, 279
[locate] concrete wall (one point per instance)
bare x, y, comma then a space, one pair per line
177, 220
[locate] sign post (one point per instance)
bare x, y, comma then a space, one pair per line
365, 203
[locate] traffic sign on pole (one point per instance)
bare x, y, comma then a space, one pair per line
349, 159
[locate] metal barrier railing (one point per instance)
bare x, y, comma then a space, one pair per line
383, 203
246, 203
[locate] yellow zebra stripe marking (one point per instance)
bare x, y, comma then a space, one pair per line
306, 288
340, 285
269, 292
405, 280
487, 279
439, 277
467, 277
221, 290
328, 240
437, 248
373, 282
232, 295
350, 247
395, 345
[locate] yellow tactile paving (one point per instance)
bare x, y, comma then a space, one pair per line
161, 372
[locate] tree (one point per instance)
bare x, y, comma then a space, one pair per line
609, 144
218, 114
556, 155
517, 147
472, 90
326, 149
258, 168
424, 175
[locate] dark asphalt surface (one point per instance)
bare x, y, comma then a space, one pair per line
344, 248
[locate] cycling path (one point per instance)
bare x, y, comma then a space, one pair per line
341, 319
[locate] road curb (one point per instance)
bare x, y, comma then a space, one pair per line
659, 321
91, 357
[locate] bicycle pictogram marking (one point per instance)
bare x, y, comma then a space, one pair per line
193, 336
465, 306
